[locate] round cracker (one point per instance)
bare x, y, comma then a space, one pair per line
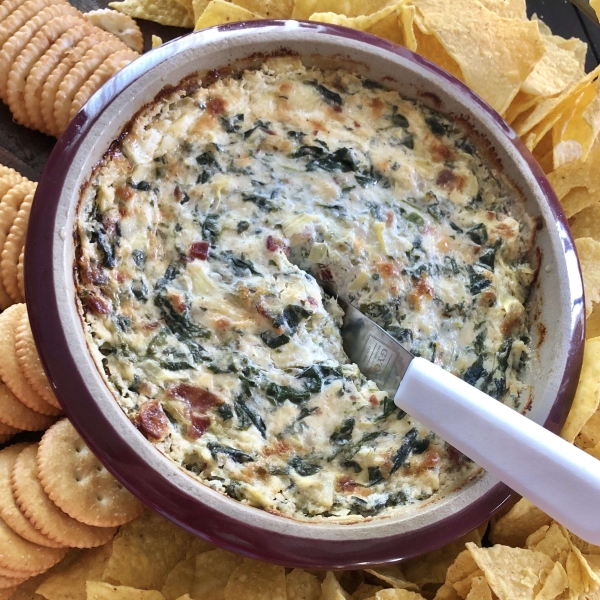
9, 367
9, 257
119, 24
9, 511
44, 514
30, 364
9, 207
4, 437
7, 7
17, 42
76, 481
56, 77
21, 272
113, 64
42, 69
21, 13
77, 76
4, 171
8, 593
9, 431
16, 414
31, 53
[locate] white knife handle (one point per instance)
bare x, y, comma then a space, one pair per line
559, 478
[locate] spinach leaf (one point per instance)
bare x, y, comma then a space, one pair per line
303, 467
245, 412
233, 453
225, 412
478, 234
274, 341
477, 282
343, 434
179, 323
475, 372
328, 95
341, 159
291, 317
280, 393
375, 476
316, 376
410, 445
233, 124
210, 230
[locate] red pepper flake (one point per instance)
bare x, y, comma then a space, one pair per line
346, 484
198, 398
373, 400
98, 305
200, 250
152, 421
337, 108
199, 424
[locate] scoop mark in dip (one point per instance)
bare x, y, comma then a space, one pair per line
198, 238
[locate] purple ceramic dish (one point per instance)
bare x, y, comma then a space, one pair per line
556, 306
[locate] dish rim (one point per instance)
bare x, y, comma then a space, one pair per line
86, 415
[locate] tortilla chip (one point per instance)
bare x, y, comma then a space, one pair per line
549, 111
589, 436
213, 570
267, 9
553, 73
480, 590
99, 590
595, 4
254, 580
587, 396
407, 19
429, 47
303, 9
518, 524
165, 12
156, 41
145, 551
583, 581
432, 567
398, 595
521, 104
463, 587
68, 581
496, 55
187, 4
555, 583
301, 585
332, 590
554, 543
592, 324
586, 223
219, 12
512, 572
364, 591
588, 250
384, 23
578, 175
509, 9
392, 576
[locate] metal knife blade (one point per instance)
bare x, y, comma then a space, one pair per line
377, 354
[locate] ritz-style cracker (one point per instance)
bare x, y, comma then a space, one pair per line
44, 514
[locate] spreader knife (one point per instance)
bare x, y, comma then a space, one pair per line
559, 478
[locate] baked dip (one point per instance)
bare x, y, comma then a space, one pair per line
199, 236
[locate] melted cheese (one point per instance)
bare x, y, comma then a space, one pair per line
199, 234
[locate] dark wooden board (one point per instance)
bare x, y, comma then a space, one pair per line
27, 150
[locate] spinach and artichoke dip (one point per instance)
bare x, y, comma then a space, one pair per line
199, 236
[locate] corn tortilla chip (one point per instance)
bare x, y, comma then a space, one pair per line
588, 250
554, 543
432, 567
407, 19
585, 222
509, 9
384, 23
303, 9
68, 581
213, 570
219, 12
267, 9
555, 583
165, 12
480, 590
578, 174
496, 55
187, 4
99, 590
518, 524
463, 587
393, 576
332, 590
145, 551
512, 572
553, 73
589, 436
429, 47
301, 585
587, 396
398, 595
181, 579
577, 200
521, 104
595, 4
364, 591
254, 580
